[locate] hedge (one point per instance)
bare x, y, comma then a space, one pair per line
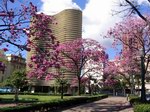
142, 108
134, 100
138, 105
54, 104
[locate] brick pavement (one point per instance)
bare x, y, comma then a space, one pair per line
110, 104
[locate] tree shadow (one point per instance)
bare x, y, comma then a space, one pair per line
98, 107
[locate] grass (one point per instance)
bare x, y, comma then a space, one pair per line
39, 97
6, 99
47, 103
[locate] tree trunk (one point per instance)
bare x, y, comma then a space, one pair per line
16, 94
132, 85
79, 86
143, 92
138, 83
62, 90
56, 89
114, 92
123, 91
90, 91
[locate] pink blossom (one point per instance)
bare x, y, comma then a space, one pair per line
5, 49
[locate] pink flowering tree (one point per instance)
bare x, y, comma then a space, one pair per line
22, 27
111, 76
111, 82
42, 42
46, 61
14, 23
15, 18
133, 34
123, 70
80, 53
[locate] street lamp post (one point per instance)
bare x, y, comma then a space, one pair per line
143, 95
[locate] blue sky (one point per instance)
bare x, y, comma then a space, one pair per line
81, 3
97, 16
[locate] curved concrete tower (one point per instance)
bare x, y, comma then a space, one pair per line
68, 28
69, 25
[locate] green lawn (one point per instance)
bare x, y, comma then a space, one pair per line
46, 103
39, 97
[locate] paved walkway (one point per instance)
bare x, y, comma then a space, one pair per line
110, 104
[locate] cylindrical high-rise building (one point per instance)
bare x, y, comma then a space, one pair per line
68, 28
69, 25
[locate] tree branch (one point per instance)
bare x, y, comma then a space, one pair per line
22, 47
136, 10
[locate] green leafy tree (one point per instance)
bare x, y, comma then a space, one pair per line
17, 80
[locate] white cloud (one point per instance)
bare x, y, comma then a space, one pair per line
51, 7
142, 1
97, 19
97, 16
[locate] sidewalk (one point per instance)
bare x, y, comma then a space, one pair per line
110, 104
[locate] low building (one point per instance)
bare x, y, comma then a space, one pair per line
11, 63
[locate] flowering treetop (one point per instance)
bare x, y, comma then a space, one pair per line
82, 56
42, 42
14, 21
133, 34
82, 51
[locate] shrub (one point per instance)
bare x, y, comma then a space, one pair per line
142, 108
67, 94
134, 100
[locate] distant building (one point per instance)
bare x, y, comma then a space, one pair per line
68, 28
12, 63
2, 65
